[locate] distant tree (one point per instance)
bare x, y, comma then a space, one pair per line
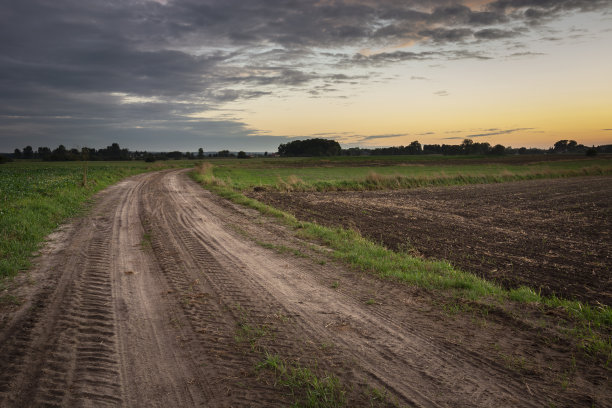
59, 154
591, 152
310, 147
224, 153
560, 146
415, 148
466, 146
200, 153
114, 151
174, 155
28, 152
265, 154
242, 155
498, 150
44, 153
17, 154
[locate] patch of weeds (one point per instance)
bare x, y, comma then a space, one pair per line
240, 231
307, 388
251, 334
380, 398
145, 242
514, 362
175, 322
335, 285
247, 332
282, 249
564, 380
454, 308
8, 299
265, 245
370, 302
282, 317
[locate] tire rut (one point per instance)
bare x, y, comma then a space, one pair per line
68, 352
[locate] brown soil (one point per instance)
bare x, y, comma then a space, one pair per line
147, 300
551, 235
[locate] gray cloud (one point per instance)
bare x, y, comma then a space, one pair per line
387, 136
495, 34
102, 69
494, 132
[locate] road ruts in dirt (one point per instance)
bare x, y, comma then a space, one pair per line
243, 276
144, 303
62, 351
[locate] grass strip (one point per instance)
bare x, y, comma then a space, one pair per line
350, 247
322, 178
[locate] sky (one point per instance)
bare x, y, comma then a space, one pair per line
250, 74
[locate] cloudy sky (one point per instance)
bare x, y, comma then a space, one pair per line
250, 74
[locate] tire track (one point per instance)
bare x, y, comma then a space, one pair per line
68, 353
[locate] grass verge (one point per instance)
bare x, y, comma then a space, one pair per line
593, 322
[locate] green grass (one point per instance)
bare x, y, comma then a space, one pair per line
36, 197
392, 172
308, 389
282, 249
593, 322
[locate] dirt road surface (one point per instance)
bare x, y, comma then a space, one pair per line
165, 295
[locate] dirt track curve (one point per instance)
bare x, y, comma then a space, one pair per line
140, 302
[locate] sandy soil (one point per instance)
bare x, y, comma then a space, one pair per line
551, 235
144, 301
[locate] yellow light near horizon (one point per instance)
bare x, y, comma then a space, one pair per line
556, 97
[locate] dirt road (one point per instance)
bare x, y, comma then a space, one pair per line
166, 295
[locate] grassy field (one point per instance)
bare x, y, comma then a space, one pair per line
35, 197
372, 173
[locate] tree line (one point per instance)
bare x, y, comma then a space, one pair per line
302, 148
110, 153
324, 147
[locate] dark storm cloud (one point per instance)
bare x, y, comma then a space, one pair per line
102, 68
495, 34
443, 35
